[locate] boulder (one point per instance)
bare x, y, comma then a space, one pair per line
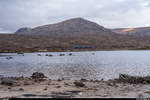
79, 84
38, 75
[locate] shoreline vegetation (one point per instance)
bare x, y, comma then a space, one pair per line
38, 51
38, 85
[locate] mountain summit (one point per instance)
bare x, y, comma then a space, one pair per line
68, 27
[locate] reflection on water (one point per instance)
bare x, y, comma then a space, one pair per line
89, 65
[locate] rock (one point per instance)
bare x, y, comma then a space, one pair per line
9, 58
102, 79
9, 88
59, 80
148, 92
7, 81
84, 80
29, 95
58, 86
70, 54
62, 55
45, 88
66, 84
110, 84
93, 53
140, 96
79, 84
39, 55
49, 82
26, 83
21, 89
46, 55
1, 76
38, 75
50, 55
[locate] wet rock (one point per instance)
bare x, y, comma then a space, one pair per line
83, 80
50, 55
9, 58
140, 96
39, 55
79, 84
62, 55
38, 75
46, 55
7, 81
93, 53
70, 54
102, 79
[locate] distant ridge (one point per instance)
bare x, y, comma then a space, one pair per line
140, 31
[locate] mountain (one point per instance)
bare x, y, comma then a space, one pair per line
73, 26
141, 31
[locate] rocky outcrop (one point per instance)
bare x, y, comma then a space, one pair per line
23, 31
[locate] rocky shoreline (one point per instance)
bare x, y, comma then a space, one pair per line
39, 86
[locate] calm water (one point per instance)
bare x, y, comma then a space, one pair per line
101, 64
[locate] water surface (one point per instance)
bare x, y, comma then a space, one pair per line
89, 65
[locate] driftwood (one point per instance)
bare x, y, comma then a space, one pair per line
133, 79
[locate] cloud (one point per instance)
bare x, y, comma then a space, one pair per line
109, 13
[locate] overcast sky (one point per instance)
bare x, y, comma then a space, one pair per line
15, 14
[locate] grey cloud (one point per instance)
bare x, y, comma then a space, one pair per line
109, 13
